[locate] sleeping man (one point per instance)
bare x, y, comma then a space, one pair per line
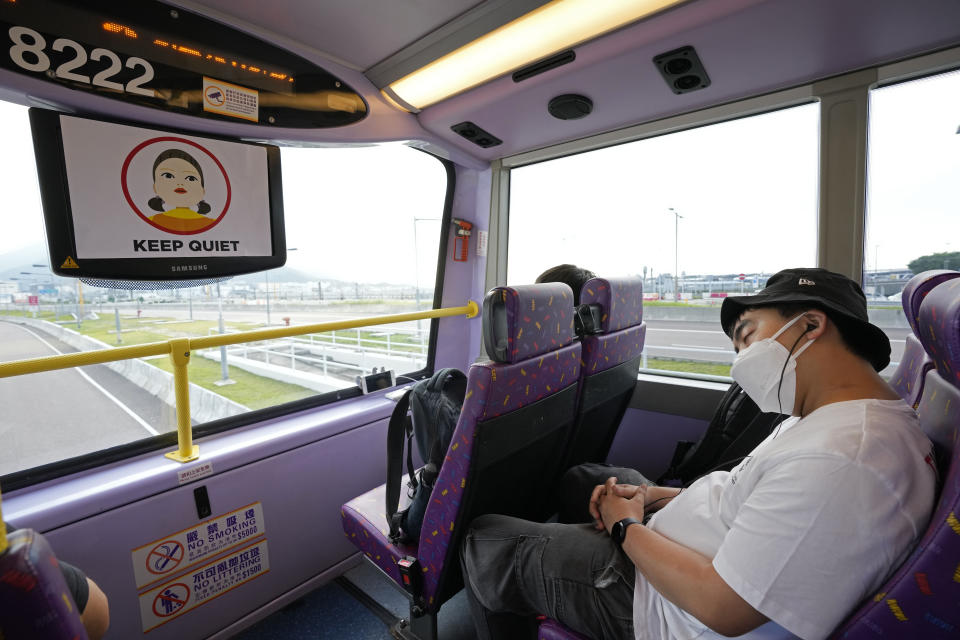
784, 545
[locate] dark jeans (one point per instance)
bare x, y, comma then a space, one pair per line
515, 570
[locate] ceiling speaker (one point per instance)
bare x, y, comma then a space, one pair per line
682, 70
570, 106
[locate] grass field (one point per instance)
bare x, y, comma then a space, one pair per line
256, 391
249, 389
689, 367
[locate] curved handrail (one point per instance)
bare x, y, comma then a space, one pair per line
179, 350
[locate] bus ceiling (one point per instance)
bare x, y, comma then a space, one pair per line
368, 52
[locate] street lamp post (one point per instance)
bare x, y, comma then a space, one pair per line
676, 253
224, 371
266, 277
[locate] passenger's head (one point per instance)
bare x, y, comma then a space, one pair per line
568, 274
819, 296
178, 182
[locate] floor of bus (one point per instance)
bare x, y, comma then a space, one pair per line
333, 613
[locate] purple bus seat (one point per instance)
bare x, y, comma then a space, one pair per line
553, 630
908, 378
36, 602
920, 599
611, 358
506, 448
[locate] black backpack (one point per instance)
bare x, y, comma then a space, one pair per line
736, 429
435, 404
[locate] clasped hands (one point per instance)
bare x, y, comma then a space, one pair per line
611, 502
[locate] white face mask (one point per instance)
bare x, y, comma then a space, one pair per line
757, 369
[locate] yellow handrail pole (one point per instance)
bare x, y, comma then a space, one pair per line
221, 340
180, 348
180, 357
83, 358
3, 533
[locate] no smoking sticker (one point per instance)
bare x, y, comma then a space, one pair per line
175, 552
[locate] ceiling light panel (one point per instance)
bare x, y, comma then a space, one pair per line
555, 26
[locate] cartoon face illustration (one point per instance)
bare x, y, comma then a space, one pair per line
178, 182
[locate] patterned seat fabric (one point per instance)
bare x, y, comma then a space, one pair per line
610, 363
908, 379
365, 525
515, 419
553, 630
920, 599
36, 601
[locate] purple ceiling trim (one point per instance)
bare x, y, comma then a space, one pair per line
748, 48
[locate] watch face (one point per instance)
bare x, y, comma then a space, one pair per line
617, 531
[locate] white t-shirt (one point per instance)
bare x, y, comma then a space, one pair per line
808, 525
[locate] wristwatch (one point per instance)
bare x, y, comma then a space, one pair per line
619, 529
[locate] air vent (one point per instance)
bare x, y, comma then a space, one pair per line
535, 69
476, 135
682, 70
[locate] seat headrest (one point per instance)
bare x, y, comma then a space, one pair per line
917, 289
620, 298
939, 331
526, 320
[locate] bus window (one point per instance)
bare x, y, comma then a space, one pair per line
912, 193
363, 233
700, 215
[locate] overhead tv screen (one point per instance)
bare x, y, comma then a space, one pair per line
126, 202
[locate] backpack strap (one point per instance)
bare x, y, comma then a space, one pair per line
399, 424
691, 459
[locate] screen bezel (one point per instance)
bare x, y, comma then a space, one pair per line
59, 223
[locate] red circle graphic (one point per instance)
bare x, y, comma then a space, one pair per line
145, 218
171, 603
172, 552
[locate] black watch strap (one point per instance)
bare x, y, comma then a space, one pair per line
619, 529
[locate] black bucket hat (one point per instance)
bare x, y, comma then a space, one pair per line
840, 297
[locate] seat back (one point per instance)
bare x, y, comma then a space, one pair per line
611, 358
514, 424
909, 376
920, 599
36, 601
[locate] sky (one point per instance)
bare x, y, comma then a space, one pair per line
746, 191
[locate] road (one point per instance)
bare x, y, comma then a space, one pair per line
47, 417
705, 341
699, 341
59, 414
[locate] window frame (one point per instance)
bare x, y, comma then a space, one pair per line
68, 466
844, 123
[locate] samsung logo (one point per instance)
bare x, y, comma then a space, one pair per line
189, 267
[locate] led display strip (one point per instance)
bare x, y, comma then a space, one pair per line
156, 55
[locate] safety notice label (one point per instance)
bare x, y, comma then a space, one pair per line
231, 99
172, 554
174, 598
